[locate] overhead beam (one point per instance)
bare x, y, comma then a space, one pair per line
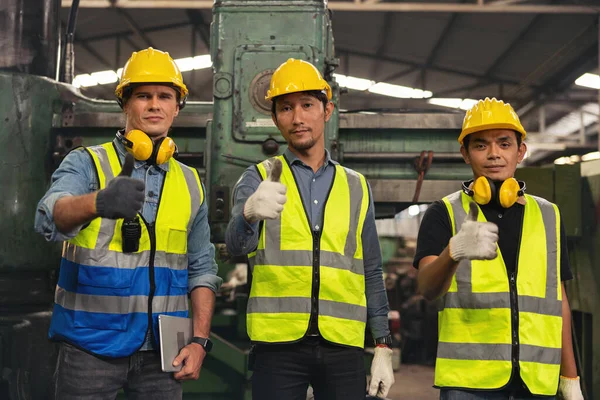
362, 6
424, 66
134, 26
563, 79
383, 42
200, 27
128, 32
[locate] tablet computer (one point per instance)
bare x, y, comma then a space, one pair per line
175, 333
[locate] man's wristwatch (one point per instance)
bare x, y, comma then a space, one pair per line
387, 340
204, 342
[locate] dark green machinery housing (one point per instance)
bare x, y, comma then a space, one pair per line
42, 119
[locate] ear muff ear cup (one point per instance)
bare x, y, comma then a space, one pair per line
138, 144
509, 192
484, 190
164, 149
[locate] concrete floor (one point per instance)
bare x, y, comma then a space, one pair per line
413, 382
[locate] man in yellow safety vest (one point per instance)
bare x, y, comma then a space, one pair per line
308, 227
496, 258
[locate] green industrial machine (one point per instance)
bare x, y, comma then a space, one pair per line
576, 190
43, 119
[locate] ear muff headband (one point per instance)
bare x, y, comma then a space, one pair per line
484, 190
144, 149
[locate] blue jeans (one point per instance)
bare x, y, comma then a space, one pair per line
82, 376
284, 371
451, 394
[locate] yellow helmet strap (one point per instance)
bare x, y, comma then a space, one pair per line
145, 149
504, 193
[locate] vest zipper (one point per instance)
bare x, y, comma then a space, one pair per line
314, 301
514, 307
152, 235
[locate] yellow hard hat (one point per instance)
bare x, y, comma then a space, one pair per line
491, 114
151, 66
296, 76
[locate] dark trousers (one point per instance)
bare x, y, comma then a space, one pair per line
80, 375
450, 394
285, 371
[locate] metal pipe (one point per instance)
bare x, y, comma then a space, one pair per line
68, 59
398, 156
364, 6
30, 36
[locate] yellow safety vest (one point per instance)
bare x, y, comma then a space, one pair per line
106, 300
288, 252
486, 312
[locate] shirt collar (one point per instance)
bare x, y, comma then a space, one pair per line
292, 158
137, 164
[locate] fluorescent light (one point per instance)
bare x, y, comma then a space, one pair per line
414, 210
450, 103
185, 64
352, 82
403, 92
104, 77
84, 80
463, 104
591, 156
202, 62
467, 104
589, 80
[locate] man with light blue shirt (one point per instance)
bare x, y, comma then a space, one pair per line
136, 242
307, 225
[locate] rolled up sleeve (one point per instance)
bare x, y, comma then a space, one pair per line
377, 302
74, 177
202, 268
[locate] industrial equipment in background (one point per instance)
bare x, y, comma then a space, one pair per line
407, 157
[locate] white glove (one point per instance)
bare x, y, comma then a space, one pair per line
475, 240
268, 200
382, 374
569, 389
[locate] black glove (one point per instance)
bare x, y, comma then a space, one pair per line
123, 196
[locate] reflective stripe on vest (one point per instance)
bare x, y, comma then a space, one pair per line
475, 335
280, 299
102, 297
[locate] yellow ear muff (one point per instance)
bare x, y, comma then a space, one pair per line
141, 144
482, 190
165, 150
509, 192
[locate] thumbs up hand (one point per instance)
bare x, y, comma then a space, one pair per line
123, 197
268, 200
475, 240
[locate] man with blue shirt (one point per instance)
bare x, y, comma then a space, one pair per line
136, 242
307, 225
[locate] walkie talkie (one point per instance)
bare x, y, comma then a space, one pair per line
131, 232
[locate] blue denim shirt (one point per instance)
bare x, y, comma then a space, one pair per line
76, 176
242, 237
